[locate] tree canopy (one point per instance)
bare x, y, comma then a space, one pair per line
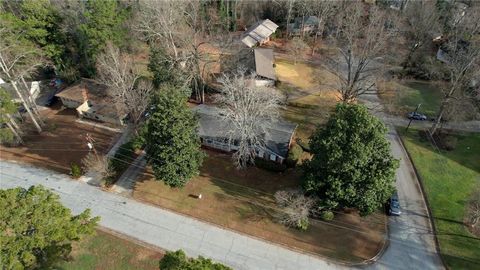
36, 229
352, 165
178, 261
104, 21
173, 144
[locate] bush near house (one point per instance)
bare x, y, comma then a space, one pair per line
294, 155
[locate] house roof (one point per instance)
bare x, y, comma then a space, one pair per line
97, 95
8, 87
86, 89
258, 32
264, 61
212, 125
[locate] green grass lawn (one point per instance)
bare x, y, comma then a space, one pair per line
421, 92
106, 251
406, 95
449, 179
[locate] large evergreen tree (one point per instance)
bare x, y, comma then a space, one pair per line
104, 21
352, 165
173, 146
36, 229
40, 22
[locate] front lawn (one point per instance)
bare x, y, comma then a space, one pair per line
243, 201
310, 92
107, 251
404, 96
449, 179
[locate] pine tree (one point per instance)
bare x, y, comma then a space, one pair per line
36, 230
173, 146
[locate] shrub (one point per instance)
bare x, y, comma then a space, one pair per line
327, 215
295, 208
449, 143
178, 261
75, 170
270, 165
302, 224
294, 155
304, 145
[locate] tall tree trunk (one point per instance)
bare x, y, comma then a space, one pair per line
39, 128
31, 101
438, 120
14, 123
19, 139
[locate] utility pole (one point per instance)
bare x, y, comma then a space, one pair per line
90, 144
411, 119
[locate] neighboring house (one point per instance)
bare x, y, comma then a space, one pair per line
259, 33
91, 100
264, 67
308, 26
34, 90
213, 134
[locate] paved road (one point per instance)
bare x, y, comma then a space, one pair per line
412, 243
159, 227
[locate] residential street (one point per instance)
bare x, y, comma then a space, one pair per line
160, 227
411, 247
412, 244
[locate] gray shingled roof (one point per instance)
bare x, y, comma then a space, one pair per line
211, 125
258, 32
264, 63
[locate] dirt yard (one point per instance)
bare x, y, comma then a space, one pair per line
245, 203
61, 144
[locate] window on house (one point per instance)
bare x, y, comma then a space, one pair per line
273, 157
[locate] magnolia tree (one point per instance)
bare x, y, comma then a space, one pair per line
248, 111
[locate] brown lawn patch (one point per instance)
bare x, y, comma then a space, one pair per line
243, 201
62, 144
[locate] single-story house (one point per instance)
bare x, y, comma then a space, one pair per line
309, 25
259, 33
34, 90
91, 100
213, 134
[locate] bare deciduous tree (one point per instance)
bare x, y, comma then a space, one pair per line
96, 164
296, 47
18, 58
423, 23
463, 61
361, 37
178, 27
248, 111
117, 71
295, 207
323, 10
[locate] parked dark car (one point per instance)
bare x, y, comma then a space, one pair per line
417, 116
394, 205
